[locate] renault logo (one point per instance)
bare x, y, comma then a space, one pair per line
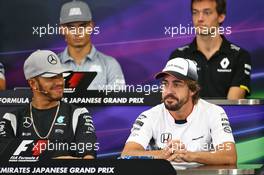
225, 63
52, 59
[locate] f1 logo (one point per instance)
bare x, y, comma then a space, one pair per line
165, 137
22, 147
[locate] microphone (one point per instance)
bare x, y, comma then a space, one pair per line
44, 92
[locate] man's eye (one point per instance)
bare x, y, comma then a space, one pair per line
175, 84
178, 84
207, 12
163, 83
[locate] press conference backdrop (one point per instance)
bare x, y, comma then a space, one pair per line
133, 31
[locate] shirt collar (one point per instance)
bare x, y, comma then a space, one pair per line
224, 48
66, 57
189, 118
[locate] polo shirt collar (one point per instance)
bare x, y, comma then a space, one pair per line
224, 48
66, 57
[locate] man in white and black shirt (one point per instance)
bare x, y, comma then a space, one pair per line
183, 127
47, 117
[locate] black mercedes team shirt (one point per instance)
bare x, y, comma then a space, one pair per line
230, 66
72, 125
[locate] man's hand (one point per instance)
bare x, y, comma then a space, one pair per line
176, 145
176, 148
175, 157
187, 156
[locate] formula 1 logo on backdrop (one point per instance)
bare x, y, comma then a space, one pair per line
31, 149
73, 82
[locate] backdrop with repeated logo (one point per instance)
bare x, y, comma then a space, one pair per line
133, 31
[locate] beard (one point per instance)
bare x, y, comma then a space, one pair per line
175, 106
48, 94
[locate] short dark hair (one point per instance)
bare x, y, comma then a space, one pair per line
194, 87
220, 6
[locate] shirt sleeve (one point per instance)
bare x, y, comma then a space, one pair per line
114, 73
84, 133
141, 131
2, 71
8, 126
220, 127
242, 71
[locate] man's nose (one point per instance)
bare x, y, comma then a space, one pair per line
201, 18
169, 89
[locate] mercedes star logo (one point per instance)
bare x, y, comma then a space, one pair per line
27, 122
52, 59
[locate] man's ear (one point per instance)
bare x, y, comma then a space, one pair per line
32, 83
192, 93
91, 24
221, 18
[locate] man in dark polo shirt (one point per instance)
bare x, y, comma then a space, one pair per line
223, 68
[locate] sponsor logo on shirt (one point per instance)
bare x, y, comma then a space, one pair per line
139, 122
225, 123
165, 137
60, 120
247, 69
183, 48
26, 134
89, 130
234, 47
227, 129
27, 122
89, 123
59, 131
197, 138
224, 65
2, 128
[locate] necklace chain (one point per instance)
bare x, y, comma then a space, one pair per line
34, 126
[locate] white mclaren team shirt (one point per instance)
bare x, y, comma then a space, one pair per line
206, 127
